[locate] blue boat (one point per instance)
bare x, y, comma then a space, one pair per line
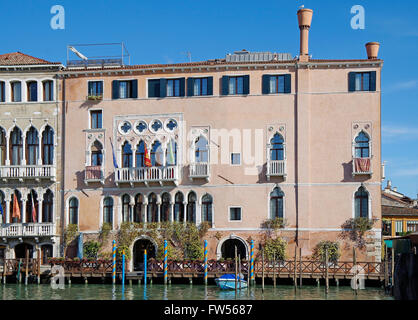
227, 282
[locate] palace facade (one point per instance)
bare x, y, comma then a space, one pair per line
233, 142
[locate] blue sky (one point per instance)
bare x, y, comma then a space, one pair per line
162, 31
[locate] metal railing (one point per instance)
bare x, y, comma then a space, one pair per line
27, 229
146, 174
199, 170
276, 168
29, 171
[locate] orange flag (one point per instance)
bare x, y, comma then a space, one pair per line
147, 159
33, 210
16, 209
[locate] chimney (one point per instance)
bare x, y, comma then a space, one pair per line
395, 189
389, 186
304, 18
372, 49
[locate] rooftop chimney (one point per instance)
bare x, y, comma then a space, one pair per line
389, 186
305, 19
372, 49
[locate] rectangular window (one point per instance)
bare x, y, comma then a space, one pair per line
276, 84
236, 85
95, 88
201, 87
235, 159
32, 91
398, 227
173, 88
16, 91
412, 226
362, 81
126, 89
2, 92
96, 119
235, 214
48, 90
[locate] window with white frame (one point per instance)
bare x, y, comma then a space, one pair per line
235, 213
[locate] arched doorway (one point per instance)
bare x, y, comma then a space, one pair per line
228, 249
46, 252
138, 253
20, 250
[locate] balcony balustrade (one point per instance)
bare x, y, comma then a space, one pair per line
15, 230
20, 173
146, 175
199, 170
276, 168
93, 174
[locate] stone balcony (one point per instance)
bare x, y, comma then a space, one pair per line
94, 174
362, 166
17, 230
199, 170
146, 175
276, 168
28, 172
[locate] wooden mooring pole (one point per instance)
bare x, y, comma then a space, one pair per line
19, 279
39, 266
239, 270
236, 269
248, 273
4, 270
355, 270
274, 269
262, 269
300, 267
294, 268
326, 271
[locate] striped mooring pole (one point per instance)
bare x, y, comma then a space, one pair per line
205, 251
252, 261
165, 261
123, 269
114, 263
145, 267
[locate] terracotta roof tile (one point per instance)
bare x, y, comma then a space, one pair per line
18, 58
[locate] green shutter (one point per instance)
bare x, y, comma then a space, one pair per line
373, 81
210, 86
190, 83
246, 89
287, 83
225, 85
163, 88
115, 89
265, 82
351, 81
182, 85
134, 84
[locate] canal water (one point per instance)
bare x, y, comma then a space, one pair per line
182, 292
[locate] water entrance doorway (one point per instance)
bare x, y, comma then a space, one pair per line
138, 253
228, 249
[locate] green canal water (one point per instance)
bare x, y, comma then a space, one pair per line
182, 292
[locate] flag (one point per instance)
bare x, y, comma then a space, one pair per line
33, 210
1, 213
171, 153
16, 209
115, 163
147, 159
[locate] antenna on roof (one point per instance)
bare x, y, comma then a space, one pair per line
189, 55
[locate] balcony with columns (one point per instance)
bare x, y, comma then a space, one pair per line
25, 228
146, 175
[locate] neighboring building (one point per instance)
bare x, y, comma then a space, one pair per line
306, 146
29, 156
399, 212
